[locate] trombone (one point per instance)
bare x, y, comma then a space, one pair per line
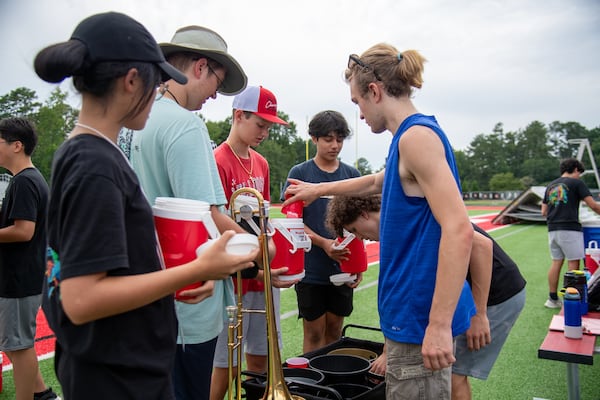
275, 386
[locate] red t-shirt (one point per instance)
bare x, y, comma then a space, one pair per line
238, 173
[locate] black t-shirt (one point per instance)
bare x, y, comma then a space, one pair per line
22, 264
506, 277
100, 221
563, 196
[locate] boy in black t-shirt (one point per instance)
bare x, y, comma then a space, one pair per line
565, 236
22, 256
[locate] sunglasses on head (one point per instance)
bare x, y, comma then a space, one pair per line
354, 60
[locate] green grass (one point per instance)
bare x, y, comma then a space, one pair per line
518, 373
474, 213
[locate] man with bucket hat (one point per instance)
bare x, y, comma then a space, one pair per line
201, 41
173, 157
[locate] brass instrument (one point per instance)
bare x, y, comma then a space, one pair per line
276, 388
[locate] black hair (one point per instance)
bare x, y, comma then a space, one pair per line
569, 165
18, 129
325, 122
59, 61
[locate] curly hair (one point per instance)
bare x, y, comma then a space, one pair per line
343, 210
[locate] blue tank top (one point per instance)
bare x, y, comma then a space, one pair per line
409, 243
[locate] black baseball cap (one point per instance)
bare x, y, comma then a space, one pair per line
114, 36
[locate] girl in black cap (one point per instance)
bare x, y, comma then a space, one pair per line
106, 297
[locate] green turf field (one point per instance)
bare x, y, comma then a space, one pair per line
518, 373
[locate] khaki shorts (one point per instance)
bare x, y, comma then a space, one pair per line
407, 378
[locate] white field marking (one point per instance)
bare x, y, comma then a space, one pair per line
514, 232
483, 217
9, 367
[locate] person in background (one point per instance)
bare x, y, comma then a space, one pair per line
322, 305
23, 241
240, 166
106, 297
499, 298
420, 189
560, 206
173, 157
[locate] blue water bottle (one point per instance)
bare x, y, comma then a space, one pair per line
576, 279
572, 313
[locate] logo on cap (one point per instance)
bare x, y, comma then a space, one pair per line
259, 101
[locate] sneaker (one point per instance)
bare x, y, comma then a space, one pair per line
47, 394
553, 303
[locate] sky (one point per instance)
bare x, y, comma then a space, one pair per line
488, 61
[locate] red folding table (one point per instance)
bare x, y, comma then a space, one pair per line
571, 351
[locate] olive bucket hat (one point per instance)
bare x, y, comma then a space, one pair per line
197, 39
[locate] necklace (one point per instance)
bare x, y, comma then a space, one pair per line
96, 131
173, 96
249, 172
103, 136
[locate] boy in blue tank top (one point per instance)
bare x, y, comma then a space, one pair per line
498, 291
423, 299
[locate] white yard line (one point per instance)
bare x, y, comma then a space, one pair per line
524, 228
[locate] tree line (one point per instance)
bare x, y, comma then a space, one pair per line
496, 161
502, 160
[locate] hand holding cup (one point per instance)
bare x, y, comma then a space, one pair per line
216, 261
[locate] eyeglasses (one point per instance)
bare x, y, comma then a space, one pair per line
219, 80
354, 59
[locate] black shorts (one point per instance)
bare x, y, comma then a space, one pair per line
316, 300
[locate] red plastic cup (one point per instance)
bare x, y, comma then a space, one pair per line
357, 259
297, 362
293, 210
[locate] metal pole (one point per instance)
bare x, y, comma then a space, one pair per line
573, 381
